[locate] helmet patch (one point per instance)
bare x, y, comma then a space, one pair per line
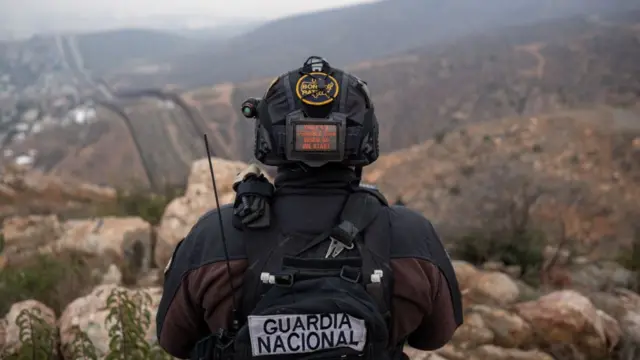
317, 89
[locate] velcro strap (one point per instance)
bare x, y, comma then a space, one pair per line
258, 188
346, 233
358, 213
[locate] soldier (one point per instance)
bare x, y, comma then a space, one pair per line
317, 264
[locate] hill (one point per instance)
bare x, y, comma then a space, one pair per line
576, 169
26, 192
522, 71
121, 49
62, 280
359, 33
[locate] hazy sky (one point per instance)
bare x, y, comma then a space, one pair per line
244, 8
29, 16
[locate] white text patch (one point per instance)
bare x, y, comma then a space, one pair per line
305, 333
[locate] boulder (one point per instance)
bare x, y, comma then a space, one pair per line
25, 235
603, 275
624, 306
473, 332
89, 314
493, 288
466, 273
414, 354
497, 353
183, 212
127, 239
113, 276
510, 330
569, 318
10, 330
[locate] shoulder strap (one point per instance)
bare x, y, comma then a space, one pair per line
359, 211
361, 215
375, 249
358, 214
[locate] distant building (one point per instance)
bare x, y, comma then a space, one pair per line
82, 115
23, 160
22, 127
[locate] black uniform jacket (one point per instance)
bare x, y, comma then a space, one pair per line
197, 297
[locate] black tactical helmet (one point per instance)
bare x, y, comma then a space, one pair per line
315, 115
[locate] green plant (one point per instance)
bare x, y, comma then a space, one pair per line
81, 347
524, 249
55, 279
128, 319
143, 203
37, 337
439, 136
631, 259
507, 234
127, 322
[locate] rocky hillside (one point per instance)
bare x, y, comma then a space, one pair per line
525, 71
578, 170
504, 320
588, 312
366, 31
27, 191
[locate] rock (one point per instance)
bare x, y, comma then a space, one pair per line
450, 352
630, 325
89, 314
560, 256
113, 276
510, 331
611, 328
493, 266
23, 191
465, 273
154, 277
10, 341
127, 240
473, 332
514, 271
497, 353
569, 318
493, 288
527, 292
601, 276
183, 212
24, 235
624, 306
49, 187
609, 303
415, 354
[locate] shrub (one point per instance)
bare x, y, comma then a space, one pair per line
147, 205
631, 259
37, 337
127, 323
507, 234
524, 249
54, 279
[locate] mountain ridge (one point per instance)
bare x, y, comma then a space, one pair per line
425, 93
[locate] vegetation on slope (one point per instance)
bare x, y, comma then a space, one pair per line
127, 322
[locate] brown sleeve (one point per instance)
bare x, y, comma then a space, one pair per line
422, 306
202, 305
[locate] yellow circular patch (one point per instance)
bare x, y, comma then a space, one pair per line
310, 93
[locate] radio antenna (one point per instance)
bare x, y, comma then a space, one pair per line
236, 324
